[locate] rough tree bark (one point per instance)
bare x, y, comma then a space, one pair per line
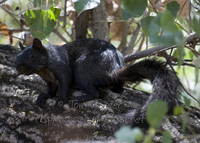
81, 25
99, 25
22, 121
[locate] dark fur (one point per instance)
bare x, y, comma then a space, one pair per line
90, 64
165, 84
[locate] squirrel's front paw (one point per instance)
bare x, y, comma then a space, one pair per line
41, 100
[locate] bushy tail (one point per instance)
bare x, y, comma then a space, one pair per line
165, 84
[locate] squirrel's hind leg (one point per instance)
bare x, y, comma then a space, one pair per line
91, 93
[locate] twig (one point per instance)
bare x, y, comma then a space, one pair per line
194, 51
10, 36
15, 30
153, 7
2, 1
64, 30
181, 9
65, 9
142, 41
170, 64
168, 56
185, 64
189, 1
12, 14
178, 15
133, 39
59, 35
182, 27
190, 39
187, 81
182, 84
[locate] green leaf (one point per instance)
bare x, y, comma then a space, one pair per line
166, 137
151, 134
175, 54
173, 7
167, 21
164, 31
155, 28
41, 22
1, 40
145, 23
186, 101
128, 135
45, 19
190, 54
56, 11
196, 25
135, 7
137, 133
125, 14
178, 110
81, 5
197, 71
38, 2
155, 113
181, 52
124, 134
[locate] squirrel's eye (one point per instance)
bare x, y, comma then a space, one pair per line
31, 56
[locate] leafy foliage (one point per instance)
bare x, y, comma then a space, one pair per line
42, 22
128, 135
81, 5
196, 26
166, 137
133, 8
155, 113
145, 22
173, 7
178, 110
125, 14
162, 29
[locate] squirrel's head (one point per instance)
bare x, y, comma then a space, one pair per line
32, 59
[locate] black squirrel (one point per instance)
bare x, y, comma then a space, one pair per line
91, 64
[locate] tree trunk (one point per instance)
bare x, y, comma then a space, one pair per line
22, 121
99, 26
82, 25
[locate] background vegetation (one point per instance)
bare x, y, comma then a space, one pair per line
165, 29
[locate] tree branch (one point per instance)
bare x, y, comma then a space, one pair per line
59, 35
15, 30
147, 52
133, 39
65, 10
12, 14
190, 39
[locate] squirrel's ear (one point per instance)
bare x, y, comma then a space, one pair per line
37, 44
21, 46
